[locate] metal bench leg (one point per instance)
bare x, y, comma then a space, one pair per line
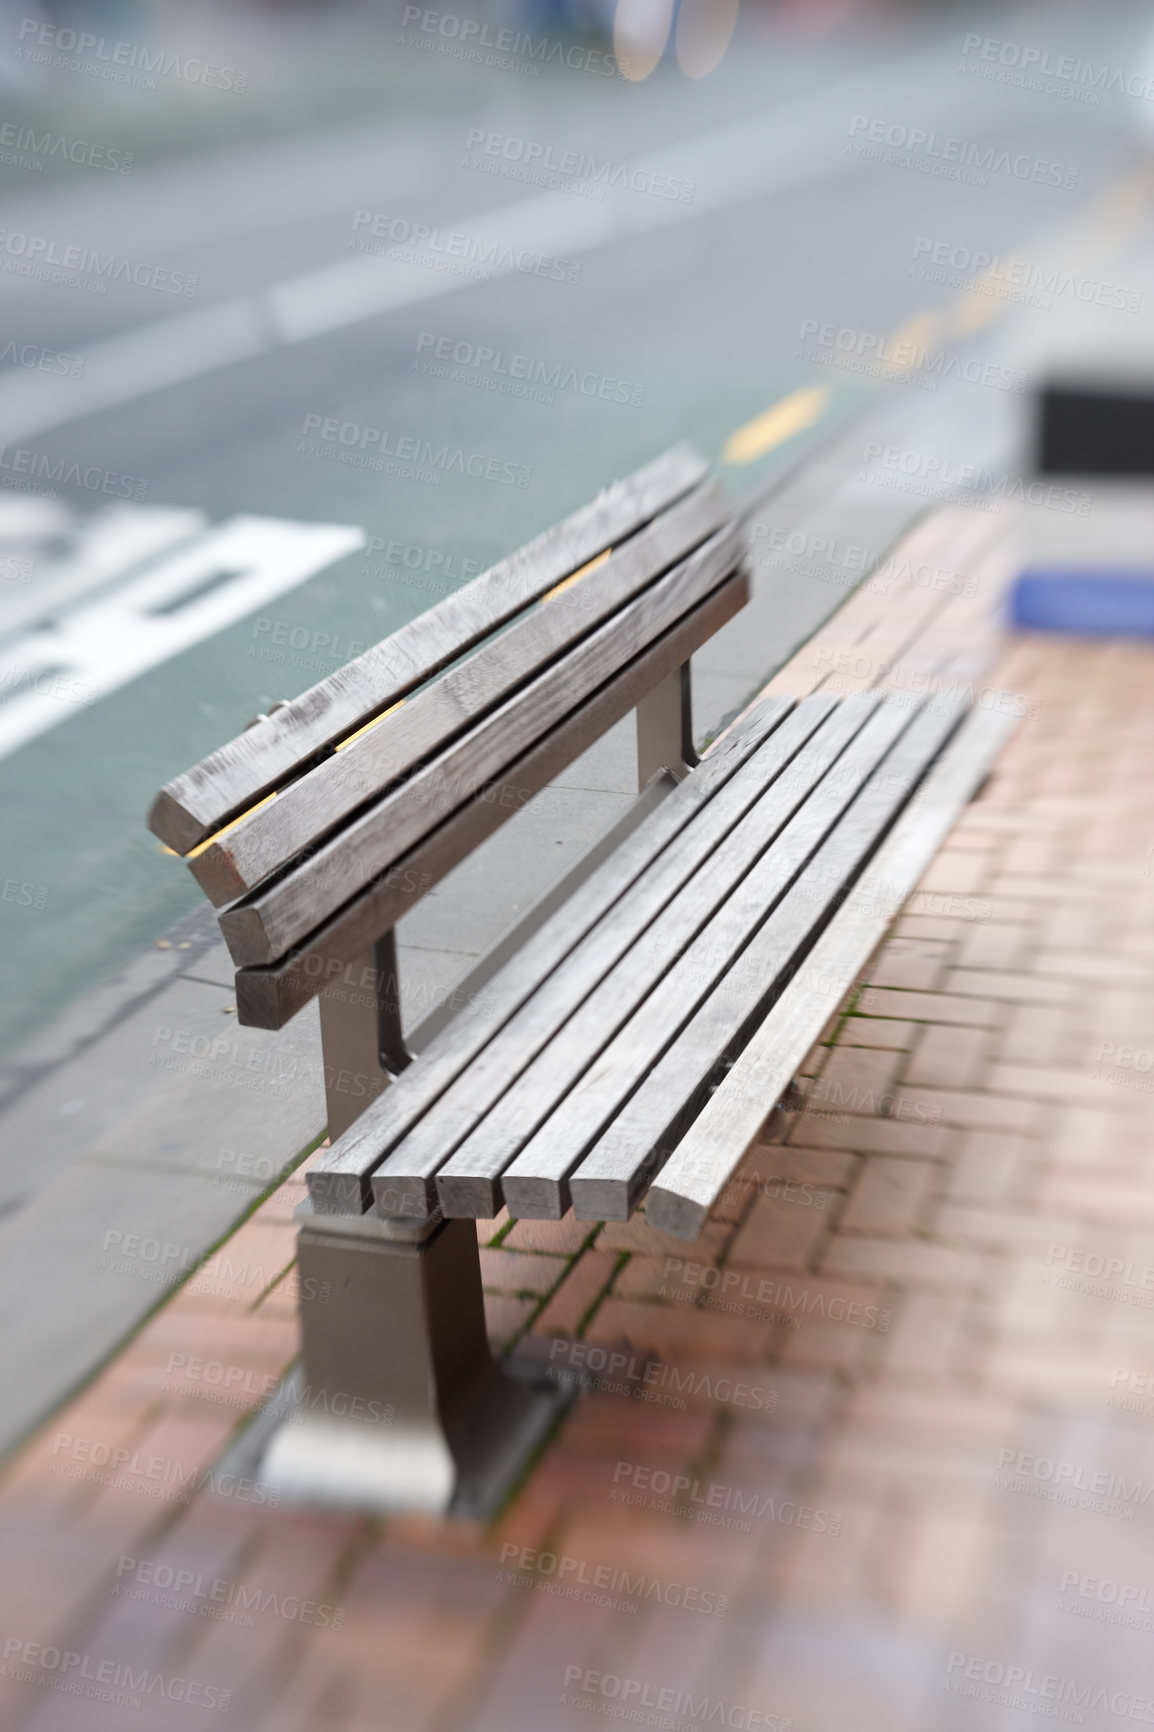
400, 1404
665, 728
362, 1045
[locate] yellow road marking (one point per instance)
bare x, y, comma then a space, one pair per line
793, 414
1128, 196
973, 310
919, 334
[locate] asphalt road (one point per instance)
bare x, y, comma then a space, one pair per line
813, 182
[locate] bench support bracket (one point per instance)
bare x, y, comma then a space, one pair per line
665, 728
400, 1404
362, 1044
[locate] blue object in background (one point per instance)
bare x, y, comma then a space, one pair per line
1092, 603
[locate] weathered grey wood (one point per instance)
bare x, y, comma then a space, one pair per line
536, 1183
309, 809
478, 980
701, 1165
267, 997
614, 1174
338, 1182
739, 874
196, 804
274, 918
480, 1119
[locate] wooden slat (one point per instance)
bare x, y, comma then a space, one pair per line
664, 900
536, 1183
703, 1162
270, 921
311, 808
729, 898
198, 803
946, 669
614, 1174
269, 997
338, 1181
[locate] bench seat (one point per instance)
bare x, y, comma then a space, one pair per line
601, 1042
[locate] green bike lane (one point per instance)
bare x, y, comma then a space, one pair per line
83, 884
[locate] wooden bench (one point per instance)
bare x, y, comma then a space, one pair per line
636, 1034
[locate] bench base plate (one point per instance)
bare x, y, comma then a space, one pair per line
318, 1460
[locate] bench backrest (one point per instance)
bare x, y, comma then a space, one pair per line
321, 824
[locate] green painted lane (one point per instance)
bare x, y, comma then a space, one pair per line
83, 885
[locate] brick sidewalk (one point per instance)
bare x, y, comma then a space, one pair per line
875, 1453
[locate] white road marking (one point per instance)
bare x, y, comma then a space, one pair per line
30, 518
104, 548
48, 673
799, 143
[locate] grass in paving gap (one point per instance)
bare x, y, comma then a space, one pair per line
543, 1299
623, 1257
